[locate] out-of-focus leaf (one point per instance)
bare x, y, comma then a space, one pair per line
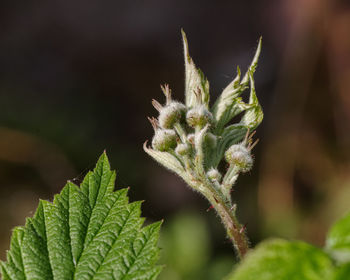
338, 240
342, 272
284, 260
186, 247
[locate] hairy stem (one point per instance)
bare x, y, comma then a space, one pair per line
226, 211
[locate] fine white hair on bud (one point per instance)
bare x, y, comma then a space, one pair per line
164, 140
199, 116
214, 175
171, 114
240, 156
183, 149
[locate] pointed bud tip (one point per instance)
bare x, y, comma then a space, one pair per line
154, 122
157, 105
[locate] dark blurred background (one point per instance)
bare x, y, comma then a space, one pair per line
77, 77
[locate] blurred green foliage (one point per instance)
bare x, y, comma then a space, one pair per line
296, 260
187, 249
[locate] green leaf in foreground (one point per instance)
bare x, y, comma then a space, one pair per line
338, 240
284, 260
342, 272
89, 232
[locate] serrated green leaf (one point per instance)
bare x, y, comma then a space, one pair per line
14, 257
284, 260
229, 103
253, 64
234, 133
338, 240
223, 105
254, 114
89, 232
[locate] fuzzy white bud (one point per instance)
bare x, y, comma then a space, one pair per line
183, 149
240, 156
164, 140
214, 175
171, 114
199, 116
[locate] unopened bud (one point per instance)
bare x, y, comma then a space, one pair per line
164, 140
199, 116
214, 175
171, 114
240, 156
183, 149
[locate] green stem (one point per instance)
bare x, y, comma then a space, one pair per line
225, 210
230, 177
180, 131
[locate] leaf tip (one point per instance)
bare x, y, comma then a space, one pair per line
183, 33
104, 157
185, 44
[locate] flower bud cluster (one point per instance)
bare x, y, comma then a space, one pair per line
192, 138
173, 114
